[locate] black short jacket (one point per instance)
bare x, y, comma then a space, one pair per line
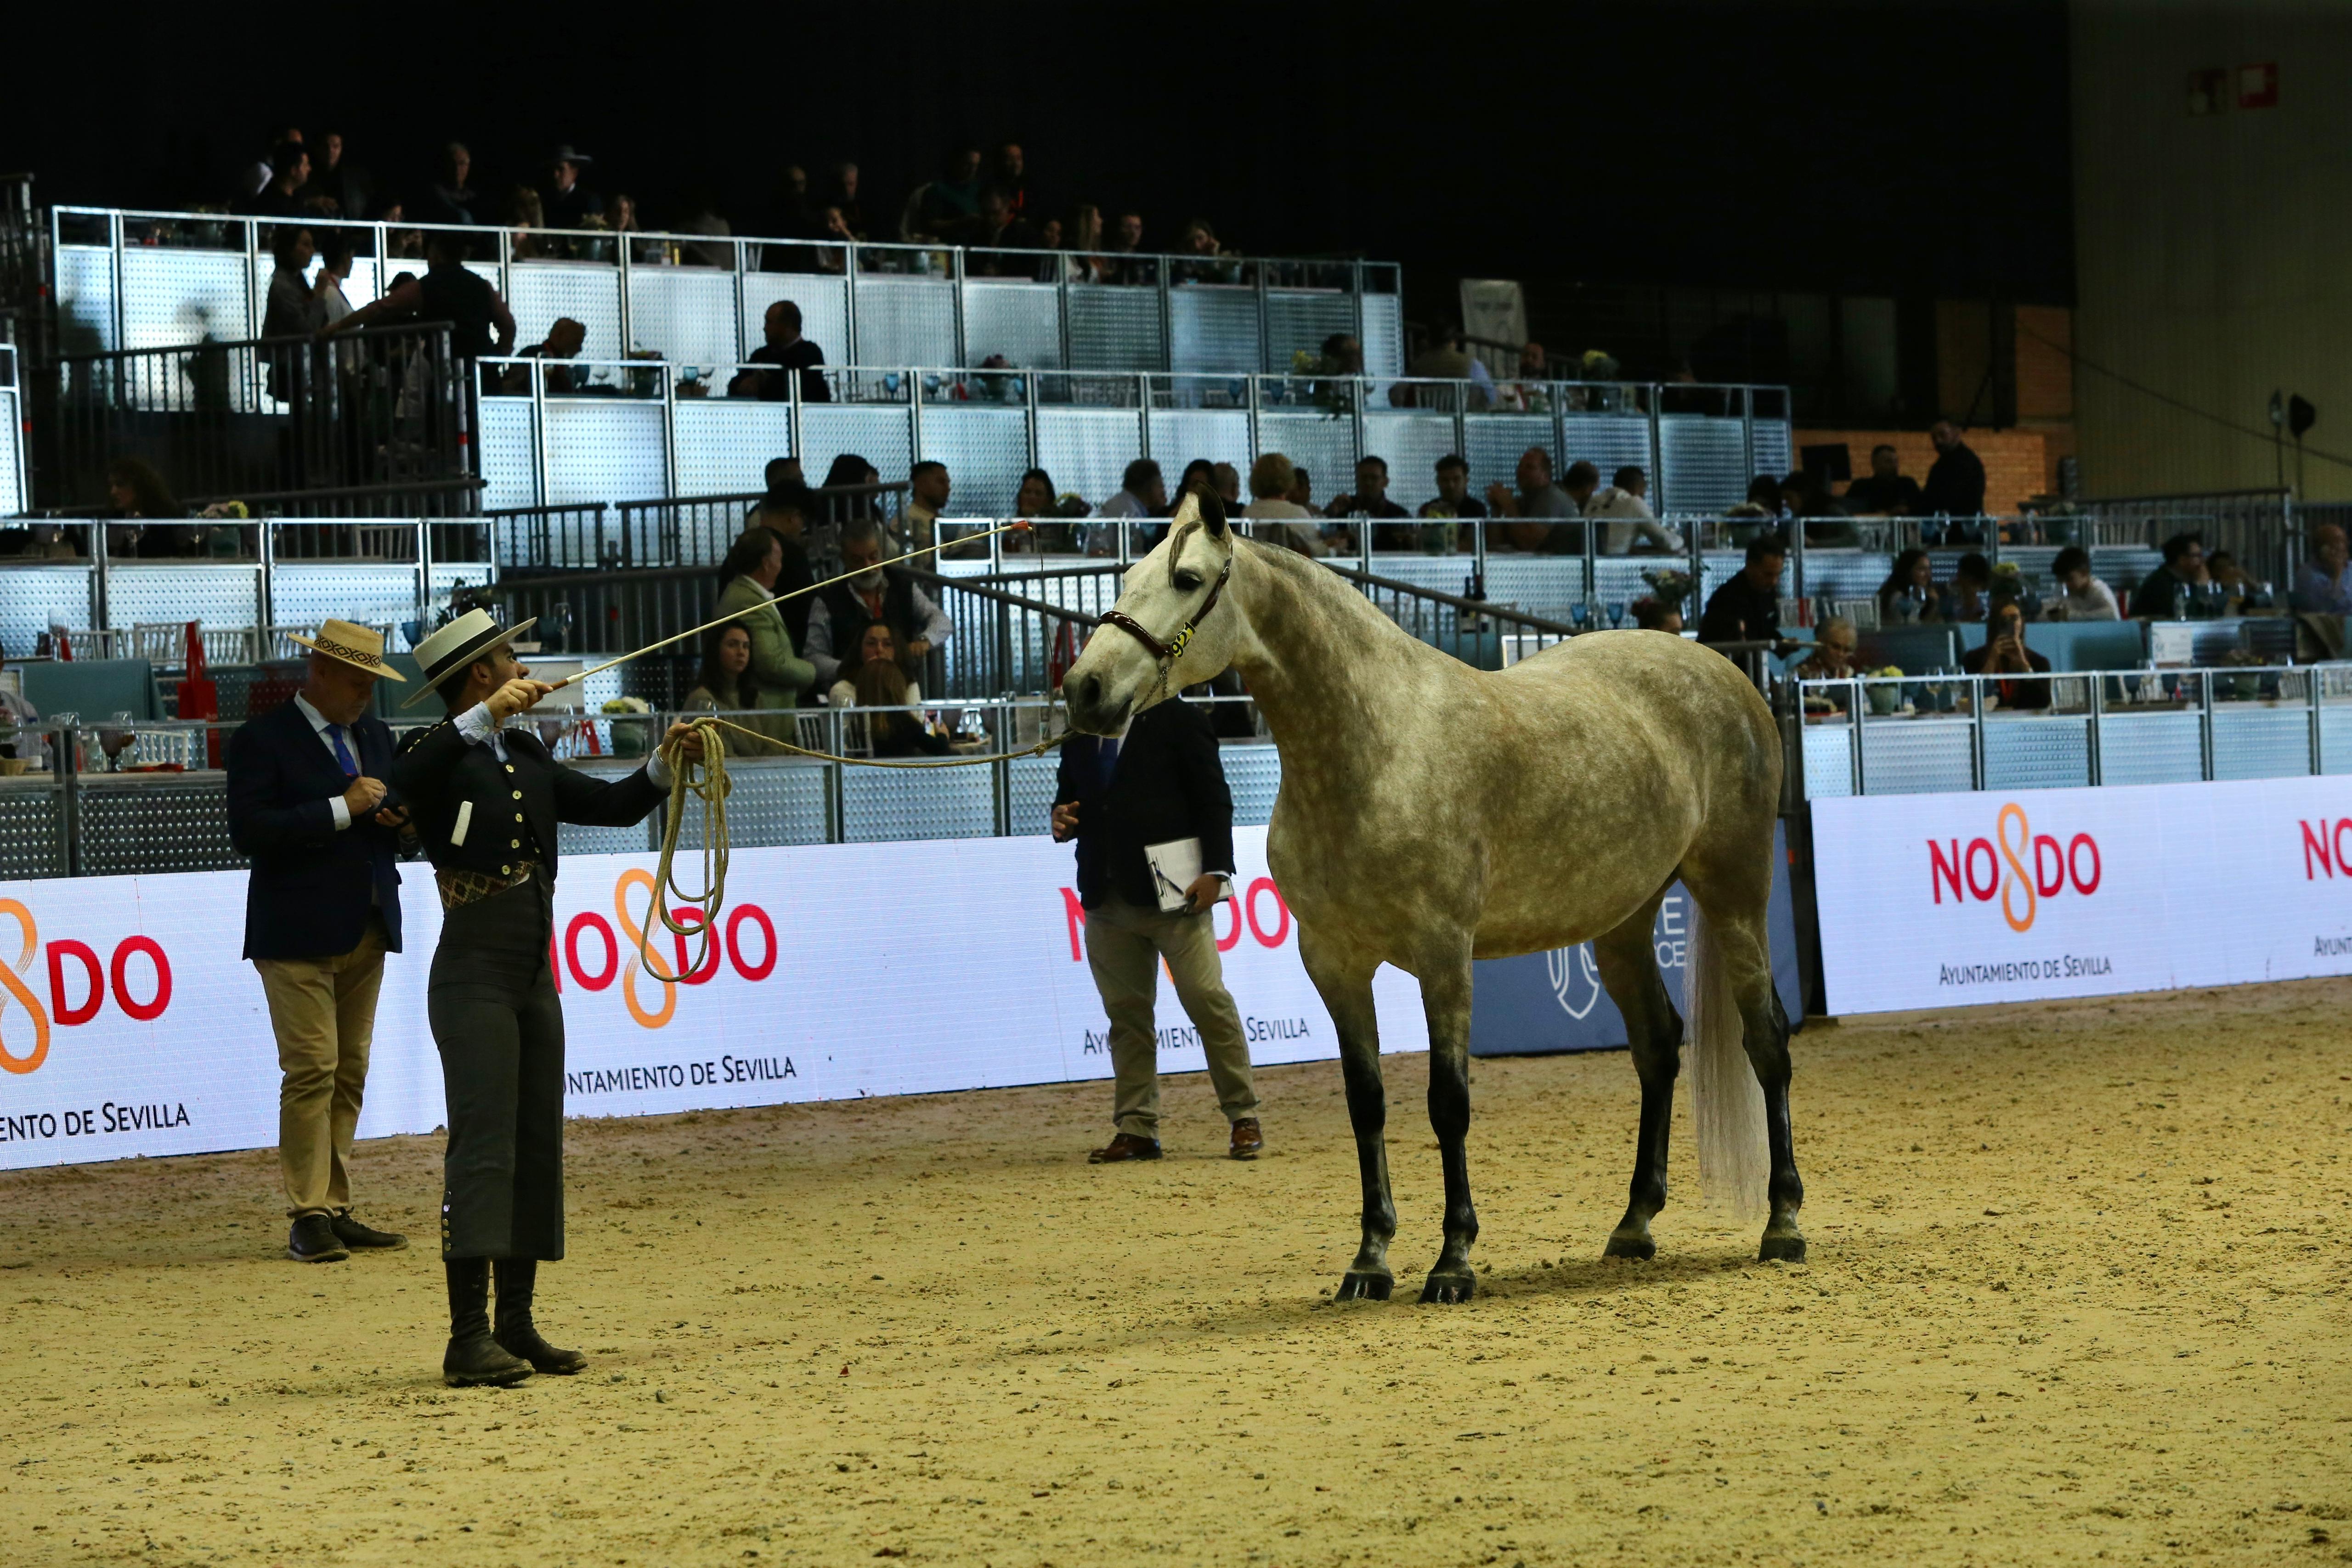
516, 803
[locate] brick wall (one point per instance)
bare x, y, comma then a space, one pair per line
2016, 461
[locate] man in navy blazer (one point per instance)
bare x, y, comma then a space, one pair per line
309, 807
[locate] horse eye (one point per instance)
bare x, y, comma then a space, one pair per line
1188, 580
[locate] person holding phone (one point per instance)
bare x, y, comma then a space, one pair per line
1145, 807
2003, 653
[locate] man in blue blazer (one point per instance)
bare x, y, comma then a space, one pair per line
309, 807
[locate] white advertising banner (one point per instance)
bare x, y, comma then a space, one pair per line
129, 1024
1931, 900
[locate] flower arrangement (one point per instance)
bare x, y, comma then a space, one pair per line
630, 725
638, 705
1888, 673
1670, 587
1597, 365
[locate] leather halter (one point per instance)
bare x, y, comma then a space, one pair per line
1168, 653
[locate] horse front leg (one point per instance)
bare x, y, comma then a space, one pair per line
1345, 988
1446, 998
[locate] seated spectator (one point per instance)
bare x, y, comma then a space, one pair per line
749, 573
1956, 481
1198, 245
702, 217
565, 339
1137, 268
1302, 490
135, 491
1454, 498
843, 198
946, 209
999, 228
1083, 234
1908, 595
1370, 499
1537, 498
449, 199
1763, 498
877, 644
2085, 598
622, 217
1445, 358
1835, 648
726, 685
1971, 585
335, 187
1448, 357
790, 214
526, 215
876, 593
1656, 615
2003, 653
900, 731
16, 717
790, 352
1142, 493
569, 205
2163, 594
2236, 583
928, 487
1747, 608
1884, 492
2322, 587
1037, 503
290, 167
1008, 171
1280, 519
1625, 503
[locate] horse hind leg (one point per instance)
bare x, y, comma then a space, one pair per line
1346, 992
1629, 970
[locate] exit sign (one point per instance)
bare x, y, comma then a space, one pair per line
2258, 86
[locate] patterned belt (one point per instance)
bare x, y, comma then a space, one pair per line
459, 886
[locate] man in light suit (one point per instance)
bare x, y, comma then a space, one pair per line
307, 805
1161, 781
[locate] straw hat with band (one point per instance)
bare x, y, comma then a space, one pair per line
452, 649
362, 647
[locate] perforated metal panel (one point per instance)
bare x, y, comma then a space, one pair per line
887, 804
1383, 339
879, 433
606, 450
906, 321
173, 297
2037, 753
1548, 586
1703, 465
1497, 441
1611, 440
1213, 327
12, 456
1021, 321
1253, 773
2150, 748
35, 598
986, 451
687, 314
1087, 450
572, 839
510, 463
1181, 434
1911, 756
1032, 785
1113, 328
1845, 574
211, 595
724, 445
588, 293
824, 312
1300, 319
774, 801
371, 595
2252, 741
1322, 444
1771, 448
85, 283
1411, 444
30, 842
142, 825
2335, 737
1829, 761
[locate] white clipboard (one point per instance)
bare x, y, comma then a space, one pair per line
1175, 867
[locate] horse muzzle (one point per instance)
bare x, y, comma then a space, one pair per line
1094, 709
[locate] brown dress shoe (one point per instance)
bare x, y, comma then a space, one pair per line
1248, 1141
1126, 1146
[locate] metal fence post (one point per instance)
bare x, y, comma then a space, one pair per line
621, 247
2318, 736
67, 762
1853, 710
264, 601
2205, 721
2093, 767
1975, 732
956, 271
849, 302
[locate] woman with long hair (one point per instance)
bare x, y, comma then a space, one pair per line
1912, 580
725, 683
1036, 503
136, 490
900, 732
877, 644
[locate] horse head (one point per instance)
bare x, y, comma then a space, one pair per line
1171, 627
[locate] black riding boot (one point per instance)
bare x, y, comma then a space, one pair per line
474, 1357
516, 1279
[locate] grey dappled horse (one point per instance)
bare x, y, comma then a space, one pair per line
1431, 813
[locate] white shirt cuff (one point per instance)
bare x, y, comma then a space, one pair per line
476, 723
342, 811
657, 770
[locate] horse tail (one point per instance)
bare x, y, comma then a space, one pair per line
1734, 1163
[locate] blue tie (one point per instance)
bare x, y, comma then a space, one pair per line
1107, 758
343, 753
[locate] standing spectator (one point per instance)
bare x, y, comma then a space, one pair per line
844, 195
1747, 608
2163, 595
1964, 596
1010, 174
874, 593
254, 177
791, 353
334, 181
1370, 499
309, 806
928, 488
449, 291
2322, 587
949, 206
449, 199
289, 165
2085, 596
1956, 482
2003, 653
1885, 491
289, 313
786, 510
789, 214
1537, 498
569, 203
1280, 519
329, 303
1624, 503
750, 571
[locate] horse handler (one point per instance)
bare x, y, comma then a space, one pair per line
1126, 800
486, 800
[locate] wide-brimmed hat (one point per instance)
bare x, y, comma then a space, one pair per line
566, 153
362, 647
452, 649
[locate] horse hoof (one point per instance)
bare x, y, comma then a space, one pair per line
1358, 1286
1448, 1289
1640, 1248
1787, 1248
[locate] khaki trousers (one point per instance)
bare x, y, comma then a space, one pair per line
323, 1010
1124, 947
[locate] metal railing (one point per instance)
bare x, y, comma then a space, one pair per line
129, 279
376, 408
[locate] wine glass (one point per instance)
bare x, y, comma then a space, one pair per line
117, 739
1616, 614
1578, 613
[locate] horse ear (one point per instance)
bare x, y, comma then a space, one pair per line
1212, 510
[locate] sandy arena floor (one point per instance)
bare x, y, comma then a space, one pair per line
2078, 1292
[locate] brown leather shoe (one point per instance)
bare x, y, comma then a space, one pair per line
1248, 1141
1126, 1146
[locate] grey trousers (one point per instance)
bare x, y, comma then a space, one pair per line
1124, 945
